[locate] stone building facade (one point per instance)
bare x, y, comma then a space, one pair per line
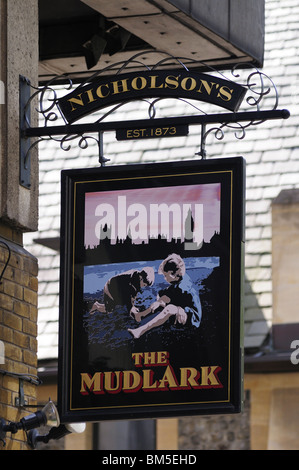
18, 214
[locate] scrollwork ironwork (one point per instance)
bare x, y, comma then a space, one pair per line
260, 91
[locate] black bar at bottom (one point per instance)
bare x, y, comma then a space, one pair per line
79, 129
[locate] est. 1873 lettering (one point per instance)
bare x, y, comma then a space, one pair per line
151, 132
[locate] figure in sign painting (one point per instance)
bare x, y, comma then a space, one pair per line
179, 300
122, 290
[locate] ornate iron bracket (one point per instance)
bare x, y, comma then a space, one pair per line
260, 92
25, 144
33, 379
7, 260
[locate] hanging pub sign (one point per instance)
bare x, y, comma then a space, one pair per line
105, 91
150, 295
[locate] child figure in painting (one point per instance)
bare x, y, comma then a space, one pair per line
180, 300
123, 288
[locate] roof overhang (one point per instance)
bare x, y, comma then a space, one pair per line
82, 36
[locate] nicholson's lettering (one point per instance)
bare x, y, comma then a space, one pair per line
103, 92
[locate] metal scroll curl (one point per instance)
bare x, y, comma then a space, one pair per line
260, 88
257, 101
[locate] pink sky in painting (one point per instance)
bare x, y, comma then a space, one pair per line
206, 194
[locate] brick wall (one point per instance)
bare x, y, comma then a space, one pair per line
18, 331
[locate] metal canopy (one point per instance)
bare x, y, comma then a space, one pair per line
79, 36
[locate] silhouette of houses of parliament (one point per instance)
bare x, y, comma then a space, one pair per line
123, 250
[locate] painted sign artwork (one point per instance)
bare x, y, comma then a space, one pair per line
151, 316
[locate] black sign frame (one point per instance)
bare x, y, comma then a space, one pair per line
176, 369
